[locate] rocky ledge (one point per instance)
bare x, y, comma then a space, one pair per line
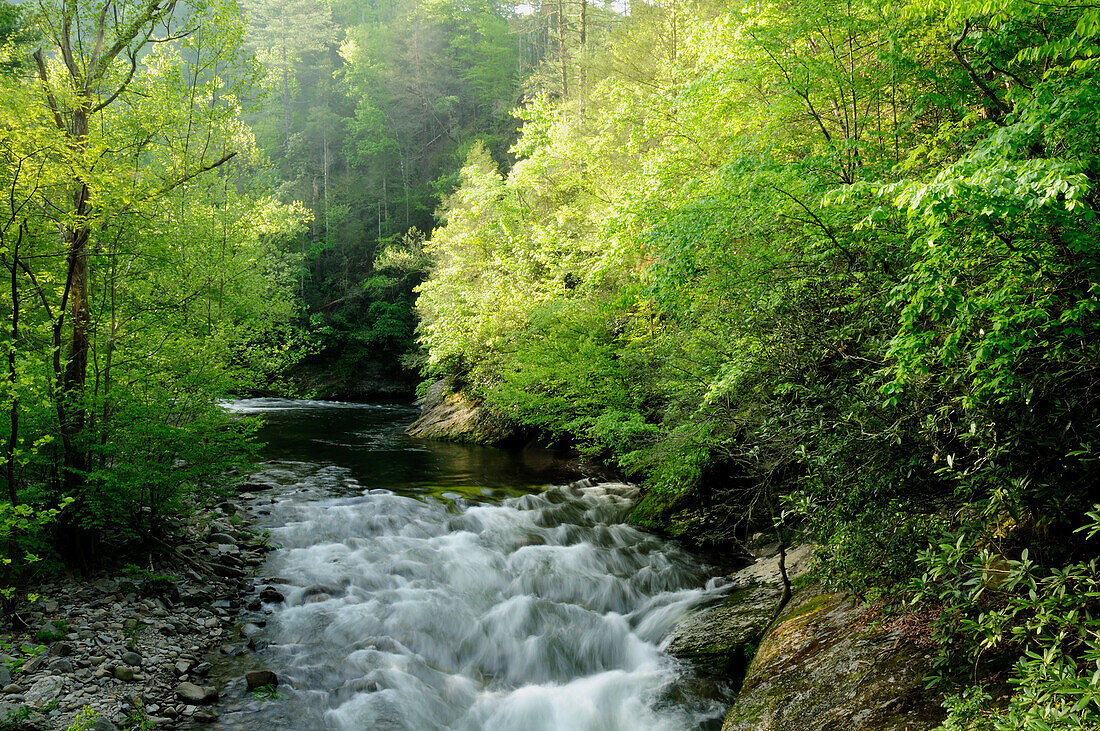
451, 416
135, 646
821, 662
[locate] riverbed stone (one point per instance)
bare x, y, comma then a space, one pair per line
131, 658
259, 678
721, 639
61, 666
819, 667
44, 690
192, 694
271, 595
61, 649
124, 673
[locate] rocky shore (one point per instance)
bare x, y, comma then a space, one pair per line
137, 645
820, 662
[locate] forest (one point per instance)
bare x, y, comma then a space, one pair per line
828, 269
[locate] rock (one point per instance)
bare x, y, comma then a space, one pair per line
318, 593
44, 691
446, 415
206, 716
271, 595
259, 678
131, 658
194, 695
818, 667
103, 724
202, 668
182, 667
722, 638
218, 538
5, 676
61, 666
226, 571
249, 629
12, 689
766, 570
253, 487
61, 649
124, 672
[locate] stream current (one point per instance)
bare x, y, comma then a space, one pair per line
442, 586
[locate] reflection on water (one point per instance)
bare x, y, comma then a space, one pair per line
435, 586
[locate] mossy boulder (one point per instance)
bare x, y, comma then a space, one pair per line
452, 416
721, 639
821, 665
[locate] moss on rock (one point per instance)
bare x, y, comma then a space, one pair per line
819, 667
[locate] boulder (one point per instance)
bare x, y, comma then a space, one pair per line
721, 639
259, 678
194, 695
271, 595
819, 666
451, 416
44, 691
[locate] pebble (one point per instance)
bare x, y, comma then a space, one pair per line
89, 664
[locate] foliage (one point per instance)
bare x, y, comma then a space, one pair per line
84, 720
146, 274
834, 261
266, 693
1043, 619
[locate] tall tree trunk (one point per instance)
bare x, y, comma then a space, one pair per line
561, 50
75, 378
13, 379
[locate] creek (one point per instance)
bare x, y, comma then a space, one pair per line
432, 585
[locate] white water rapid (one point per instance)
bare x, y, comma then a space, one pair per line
543, 611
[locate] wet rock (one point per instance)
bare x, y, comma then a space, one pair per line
271, 595
818, 668
131, 658
194, 695
253, 487
259, 678
722, 638
202, 668
124, 672
206, 716
182, 667
44, 691
218, 538
249, 629
318, 593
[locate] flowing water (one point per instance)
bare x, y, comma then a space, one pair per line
433, 586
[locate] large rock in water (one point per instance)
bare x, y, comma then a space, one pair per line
818, 667
452, 416
721, 639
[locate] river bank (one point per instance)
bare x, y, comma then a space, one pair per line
136, 644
